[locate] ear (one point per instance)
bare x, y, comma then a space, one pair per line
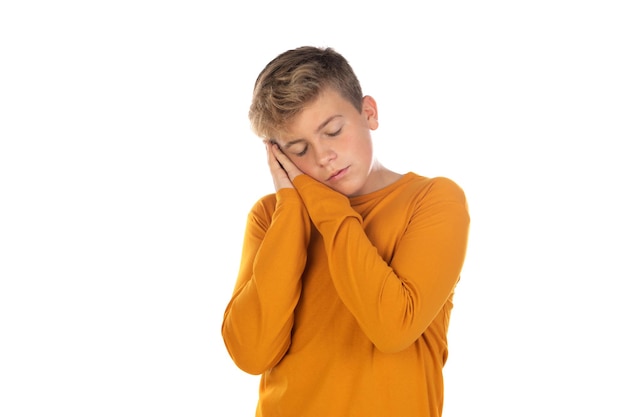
370, 112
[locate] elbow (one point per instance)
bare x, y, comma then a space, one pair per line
251, 365
394, 337
247, 359
392, 344
253, 358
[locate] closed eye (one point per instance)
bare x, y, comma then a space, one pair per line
303, 151
335, 133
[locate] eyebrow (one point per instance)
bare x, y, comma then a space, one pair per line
319, 128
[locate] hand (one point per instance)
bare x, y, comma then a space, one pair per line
282, 169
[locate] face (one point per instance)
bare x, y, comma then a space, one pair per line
331, 142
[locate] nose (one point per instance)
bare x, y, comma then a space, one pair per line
324, 155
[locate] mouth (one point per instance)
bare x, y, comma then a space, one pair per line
337, 174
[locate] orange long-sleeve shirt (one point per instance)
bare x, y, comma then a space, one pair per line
342, 304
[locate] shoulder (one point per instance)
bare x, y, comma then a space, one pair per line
435, 189
448, 187
263, 208
437, 184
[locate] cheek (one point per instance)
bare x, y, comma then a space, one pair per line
304, 165
309, 166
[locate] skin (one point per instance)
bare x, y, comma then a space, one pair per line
330, 140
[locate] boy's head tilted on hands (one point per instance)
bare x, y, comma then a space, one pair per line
309, 102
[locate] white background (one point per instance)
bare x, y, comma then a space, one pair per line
127, 168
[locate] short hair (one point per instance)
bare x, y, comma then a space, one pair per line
293, 79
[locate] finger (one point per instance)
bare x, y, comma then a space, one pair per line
290, 168
279, 175
276, 168
271, 158
280, 155
282, 159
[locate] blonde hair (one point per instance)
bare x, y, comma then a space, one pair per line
293, 79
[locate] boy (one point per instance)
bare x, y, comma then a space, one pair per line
348, 270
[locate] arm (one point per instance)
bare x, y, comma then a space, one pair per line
259, 317
393, 302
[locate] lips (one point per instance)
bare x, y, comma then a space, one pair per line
337, 174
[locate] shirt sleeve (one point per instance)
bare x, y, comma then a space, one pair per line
258, 319
394, 302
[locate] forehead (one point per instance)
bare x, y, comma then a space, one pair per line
328, 106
